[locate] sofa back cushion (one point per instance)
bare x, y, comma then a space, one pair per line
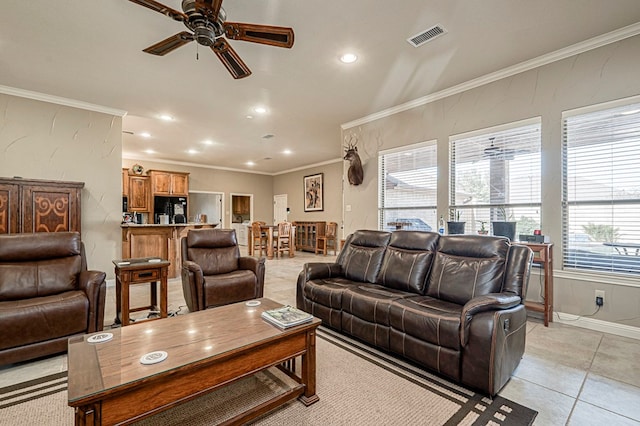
215, 250
407, 260
39, 264
362, 255
467, 266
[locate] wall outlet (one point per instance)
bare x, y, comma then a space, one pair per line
600, 297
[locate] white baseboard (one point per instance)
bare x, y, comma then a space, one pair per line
598, 325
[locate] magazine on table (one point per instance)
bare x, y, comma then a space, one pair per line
286, 316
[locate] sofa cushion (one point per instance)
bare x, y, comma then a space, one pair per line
328, 292
362, 256
466, 266
23, 280
407, 260
231, 287
43, 318
427, 319
371, 302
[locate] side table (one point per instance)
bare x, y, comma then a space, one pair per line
138, 271
543, 255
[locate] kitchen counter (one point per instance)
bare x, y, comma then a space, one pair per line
155, 240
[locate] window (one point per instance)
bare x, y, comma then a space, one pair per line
408, 188
495, 176
601, 194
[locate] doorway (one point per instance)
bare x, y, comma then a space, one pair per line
241, 215
206, 203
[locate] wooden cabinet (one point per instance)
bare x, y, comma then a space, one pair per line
169, 183
306, 233
125, 182
28, 205
241, 205
139, 194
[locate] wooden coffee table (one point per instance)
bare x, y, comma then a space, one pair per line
108, 384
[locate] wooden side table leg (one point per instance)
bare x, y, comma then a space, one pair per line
163, 294
125, 298
88, 415
309, 371
117, 320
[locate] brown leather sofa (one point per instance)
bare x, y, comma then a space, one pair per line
214, 273
453, 304
46, 294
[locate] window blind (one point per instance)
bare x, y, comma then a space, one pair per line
601, 193
496, 176
408, 188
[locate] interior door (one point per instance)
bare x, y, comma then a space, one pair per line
279, 208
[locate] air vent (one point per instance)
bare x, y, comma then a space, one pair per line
425, 36
268, 136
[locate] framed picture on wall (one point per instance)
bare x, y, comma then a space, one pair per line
314, 193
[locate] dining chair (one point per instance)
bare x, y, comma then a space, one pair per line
328, 240
258, 238
283, 240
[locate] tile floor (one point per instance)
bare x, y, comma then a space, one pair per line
571, 376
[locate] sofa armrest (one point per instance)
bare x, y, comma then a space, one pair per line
489, 302
192, 285
314, 271
94, 285
257, 265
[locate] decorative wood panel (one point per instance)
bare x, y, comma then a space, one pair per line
29, 205
9, 208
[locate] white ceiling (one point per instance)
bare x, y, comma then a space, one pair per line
91, 51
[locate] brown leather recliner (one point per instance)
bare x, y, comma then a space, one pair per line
214, 273
46, 294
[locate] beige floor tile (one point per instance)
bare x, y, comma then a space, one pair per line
553, 407
558, 377
589, 415
614, 357
564, 345
612, 395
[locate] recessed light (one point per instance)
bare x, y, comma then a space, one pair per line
348, 58
260, 110
166, 117
208, 142
250, 163
149, 151
192, 151
286, 152
145, 134
249, 117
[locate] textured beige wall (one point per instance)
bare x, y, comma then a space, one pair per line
600, 75
292, 185
41, 140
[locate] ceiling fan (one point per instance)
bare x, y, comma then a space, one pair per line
206, 19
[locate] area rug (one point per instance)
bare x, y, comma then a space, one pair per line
357, 385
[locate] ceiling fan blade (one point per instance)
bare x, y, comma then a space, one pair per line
230, 59
209, 8
170, 44
160, 8
263, 34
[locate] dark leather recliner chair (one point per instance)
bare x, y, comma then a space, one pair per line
214, 273
47, 295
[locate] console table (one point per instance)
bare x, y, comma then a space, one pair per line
138, 271
543, 255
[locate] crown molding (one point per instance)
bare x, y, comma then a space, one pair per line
28, 94
309, 166
575, 49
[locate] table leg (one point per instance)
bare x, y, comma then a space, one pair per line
269, 243
118, 300
124, 304
309, 371
164, 294
153, 293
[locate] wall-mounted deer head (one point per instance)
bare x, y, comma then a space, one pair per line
355, 172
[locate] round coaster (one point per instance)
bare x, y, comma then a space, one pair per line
253, 303
153, 357
100, 338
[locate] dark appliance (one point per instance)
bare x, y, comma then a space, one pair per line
170, 206
125, 204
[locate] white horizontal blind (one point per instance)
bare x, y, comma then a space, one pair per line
408, 188
601, 197
495, 175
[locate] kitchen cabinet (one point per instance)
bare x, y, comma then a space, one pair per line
241, 205
169, 183
30, 205
125, 182
139, 194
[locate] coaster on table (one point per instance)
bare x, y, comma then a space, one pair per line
153, 357
253, 303
100, 338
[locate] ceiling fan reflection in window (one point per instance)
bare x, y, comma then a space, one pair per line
500, 153
206, 20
